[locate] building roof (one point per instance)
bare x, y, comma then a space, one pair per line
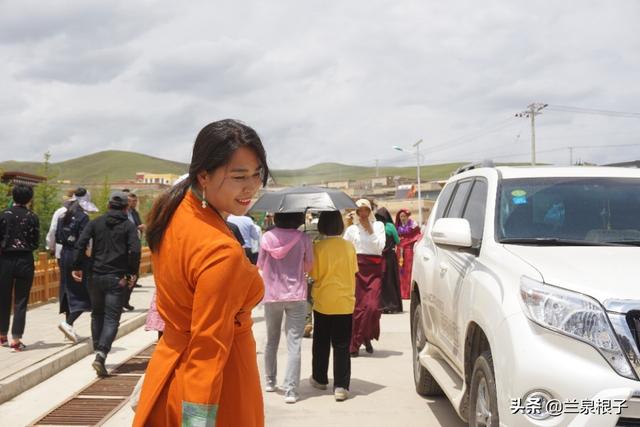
17, 177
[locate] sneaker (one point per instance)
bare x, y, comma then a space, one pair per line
316, 384
18, 347
341, 394
269, 388
98, 366
290, 397
4, 342
68, 331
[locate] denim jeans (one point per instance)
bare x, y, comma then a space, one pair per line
106, 308
295, 312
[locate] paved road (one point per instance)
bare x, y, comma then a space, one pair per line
382, 392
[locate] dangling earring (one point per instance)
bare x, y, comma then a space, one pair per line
204, 201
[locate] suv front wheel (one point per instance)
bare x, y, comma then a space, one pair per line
483, 407
425, 384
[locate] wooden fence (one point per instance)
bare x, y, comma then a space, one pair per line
46, 283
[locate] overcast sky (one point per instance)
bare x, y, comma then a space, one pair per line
321, 80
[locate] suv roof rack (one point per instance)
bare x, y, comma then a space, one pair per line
476, 165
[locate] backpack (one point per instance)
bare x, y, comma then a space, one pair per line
68, 234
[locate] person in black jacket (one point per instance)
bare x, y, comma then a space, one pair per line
115, 258
134, 217
19, 235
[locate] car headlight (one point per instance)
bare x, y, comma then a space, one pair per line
575, 315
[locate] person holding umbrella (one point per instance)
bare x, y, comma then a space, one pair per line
284, 258
368, 236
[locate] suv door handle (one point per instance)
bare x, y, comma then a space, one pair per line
443, 267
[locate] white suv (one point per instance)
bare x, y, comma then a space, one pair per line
525, 303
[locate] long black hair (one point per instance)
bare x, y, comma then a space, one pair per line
214, 146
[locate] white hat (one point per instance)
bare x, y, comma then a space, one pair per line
364, 203
84, 200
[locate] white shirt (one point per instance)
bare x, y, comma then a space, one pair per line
365, 243
51, 235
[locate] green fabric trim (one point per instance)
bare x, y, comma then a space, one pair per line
389, 228
198, 414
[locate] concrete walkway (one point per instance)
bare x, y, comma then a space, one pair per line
48, 352
382, 390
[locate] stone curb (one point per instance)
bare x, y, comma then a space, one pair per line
33, 375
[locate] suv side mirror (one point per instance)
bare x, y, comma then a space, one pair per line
454, 232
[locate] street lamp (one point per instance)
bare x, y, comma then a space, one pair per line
417, 153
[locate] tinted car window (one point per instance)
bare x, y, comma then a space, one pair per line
459, 199
443, 199
475, 210
591, 209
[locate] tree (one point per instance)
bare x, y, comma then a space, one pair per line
5, 194
102, 197
46, 198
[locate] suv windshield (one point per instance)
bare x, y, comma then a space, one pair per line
569, 211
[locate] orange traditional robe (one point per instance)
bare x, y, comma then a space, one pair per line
205, 363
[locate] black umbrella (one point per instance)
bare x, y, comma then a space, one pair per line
301, 199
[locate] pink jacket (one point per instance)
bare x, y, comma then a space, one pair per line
285, 255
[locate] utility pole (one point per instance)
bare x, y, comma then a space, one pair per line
417, 145
531, 112
417, 153
570, 156
377, 170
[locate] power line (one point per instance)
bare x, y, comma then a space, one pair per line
551, 150
579, 110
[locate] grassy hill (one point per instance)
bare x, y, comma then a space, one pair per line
123, 165
92, 169
323, 172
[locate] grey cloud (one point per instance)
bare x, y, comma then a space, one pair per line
89, 67
88, 23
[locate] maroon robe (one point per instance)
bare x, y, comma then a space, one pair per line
366, 315
405, 252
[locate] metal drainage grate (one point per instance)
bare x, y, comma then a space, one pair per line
115, 386
81, 412
97, 402
133, 366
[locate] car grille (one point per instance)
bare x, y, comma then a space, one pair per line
633, 319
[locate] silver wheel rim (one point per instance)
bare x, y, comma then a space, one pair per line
419, 342
483, 407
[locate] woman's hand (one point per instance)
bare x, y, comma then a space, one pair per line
77, 275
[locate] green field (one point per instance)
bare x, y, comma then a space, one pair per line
123, 165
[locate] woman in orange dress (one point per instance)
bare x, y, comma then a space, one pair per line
204, 370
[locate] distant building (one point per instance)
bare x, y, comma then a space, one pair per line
13, 178
429, 190
340, 184
156, 178
383, 181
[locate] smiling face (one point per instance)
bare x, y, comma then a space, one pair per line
230, 188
